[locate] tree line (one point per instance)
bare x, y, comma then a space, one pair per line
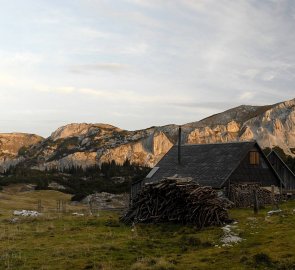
77, 180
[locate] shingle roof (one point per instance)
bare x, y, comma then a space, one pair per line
207, 164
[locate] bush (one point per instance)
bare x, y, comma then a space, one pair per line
22, 151
42, 184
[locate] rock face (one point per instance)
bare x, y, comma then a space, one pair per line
147, 151
274, 127
88, 144
10, 146
10, 143
73, 130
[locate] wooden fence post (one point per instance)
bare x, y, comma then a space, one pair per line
39, 207
273, 196
64, 206
57, 206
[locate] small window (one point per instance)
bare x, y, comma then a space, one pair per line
254, 158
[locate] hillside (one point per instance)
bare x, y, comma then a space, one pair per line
89, 144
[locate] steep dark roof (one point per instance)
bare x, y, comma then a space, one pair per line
208, 164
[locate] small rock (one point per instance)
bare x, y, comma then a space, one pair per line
26, 213
14, 220
78, 214
273, 212
229, 238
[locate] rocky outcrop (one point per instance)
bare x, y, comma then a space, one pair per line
76, 130
85, 145
77, 159
269, 125
147, 151
7, 162
13, 145
215, 134
274, 127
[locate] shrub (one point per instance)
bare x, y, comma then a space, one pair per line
78, 197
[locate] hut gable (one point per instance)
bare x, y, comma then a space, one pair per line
285, 173
255, 168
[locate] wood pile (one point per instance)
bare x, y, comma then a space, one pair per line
177, 200
243, 195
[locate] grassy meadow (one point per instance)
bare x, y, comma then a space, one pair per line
64, 241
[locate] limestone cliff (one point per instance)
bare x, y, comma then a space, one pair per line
274, 127
89, 144
269, 125
147, 151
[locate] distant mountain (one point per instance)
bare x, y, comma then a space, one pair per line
88, 144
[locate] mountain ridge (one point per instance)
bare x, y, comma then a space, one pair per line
84, 144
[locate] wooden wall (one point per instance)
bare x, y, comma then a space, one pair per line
283, 171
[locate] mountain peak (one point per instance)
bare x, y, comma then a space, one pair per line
79, 129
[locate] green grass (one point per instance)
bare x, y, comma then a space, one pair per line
64, 241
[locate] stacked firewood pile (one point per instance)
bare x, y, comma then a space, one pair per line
243, 195
177, 200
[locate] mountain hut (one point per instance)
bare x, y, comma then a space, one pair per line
218, 165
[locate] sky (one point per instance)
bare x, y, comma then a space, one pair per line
140, 63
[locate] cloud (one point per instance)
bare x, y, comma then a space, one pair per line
196, 5
181, 59
143, 3
65, 90
112, 67
140, 48
20, 58
131, 96
268, 76
91, 33
246, 96
7, 80
114, 96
